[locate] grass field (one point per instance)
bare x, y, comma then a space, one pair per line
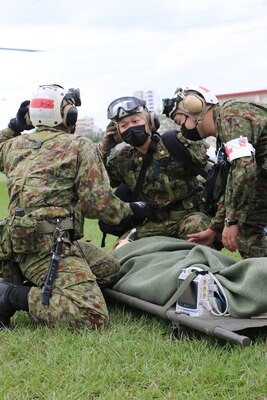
133, 358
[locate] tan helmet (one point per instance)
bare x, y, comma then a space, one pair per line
128, 105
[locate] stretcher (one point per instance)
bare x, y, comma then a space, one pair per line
223, 327
151, 279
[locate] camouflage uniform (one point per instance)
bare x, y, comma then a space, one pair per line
57, 177
174, 187
245, 197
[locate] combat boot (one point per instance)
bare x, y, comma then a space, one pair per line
12, 298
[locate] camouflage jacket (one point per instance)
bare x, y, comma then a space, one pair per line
49, 168
171, 185
232, 120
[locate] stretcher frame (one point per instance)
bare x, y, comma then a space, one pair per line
223, 327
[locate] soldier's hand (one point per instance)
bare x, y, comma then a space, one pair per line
110, 139
206, 237
142, 209
22, 120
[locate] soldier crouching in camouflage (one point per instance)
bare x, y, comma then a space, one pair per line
149, 172
241, 128
54, 180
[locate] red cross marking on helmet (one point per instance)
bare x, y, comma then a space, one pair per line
42, 103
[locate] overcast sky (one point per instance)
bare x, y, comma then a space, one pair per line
110, 48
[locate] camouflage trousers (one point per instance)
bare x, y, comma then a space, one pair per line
191, 223
252, 238
76, 297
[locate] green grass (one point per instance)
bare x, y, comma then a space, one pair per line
133, 358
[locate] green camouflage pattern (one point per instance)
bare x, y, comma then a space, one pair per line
190, 223
23, 232
245, 197
173, 186
10, 271
50, 174
76, 298
104, 266
82, 273
73, 171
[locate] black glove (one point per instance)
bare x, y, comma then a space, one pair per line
22, 121
110, 139
142, 209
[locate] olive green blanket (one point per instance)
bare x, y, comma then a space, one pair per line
150, 268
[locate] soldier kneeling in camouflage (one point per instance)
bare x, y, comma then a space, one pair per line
54, 180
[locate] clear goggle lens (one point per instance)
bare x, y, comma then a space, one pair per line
125, 105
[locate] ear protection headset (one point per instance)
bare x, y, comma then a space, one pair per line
193, 103
153, 121
195, 99
69, 114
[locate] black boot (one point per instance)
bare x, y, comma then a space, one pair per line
12, 298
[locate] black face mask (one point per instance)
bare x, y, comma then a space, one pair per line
190, 134
136, 136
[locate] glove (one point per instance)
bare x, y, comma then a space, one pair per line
110, 139
22, 121
142, 209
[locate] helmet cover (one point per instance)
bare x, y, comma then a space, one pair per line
46, 105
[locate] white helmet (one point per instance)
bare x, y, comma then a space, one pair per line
193, 101
52, 105
209, 97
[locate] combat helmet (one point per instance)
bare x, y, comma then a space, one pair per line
128, 105
52, 105
192, 101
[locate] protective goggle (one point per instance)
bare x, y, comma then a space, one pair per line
125, 105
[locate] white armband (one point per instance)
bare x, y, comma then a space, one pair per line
238, 148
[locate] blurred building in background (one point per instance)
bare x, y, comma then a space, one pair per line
86, 127
151, 98
260, 96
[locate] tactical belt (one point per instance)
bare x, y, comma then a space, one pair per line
51, 226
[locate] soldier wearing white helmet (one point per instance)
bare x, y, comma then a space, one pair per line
54, 106
191, 102
55, 179
241, 130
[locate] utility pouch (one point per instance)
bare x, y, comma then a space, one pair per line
24, 234
5, 241
191, 202
10, 271
78, 222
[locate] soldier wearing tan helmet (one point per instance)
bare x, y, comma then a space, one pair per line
173, 186
241, 129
